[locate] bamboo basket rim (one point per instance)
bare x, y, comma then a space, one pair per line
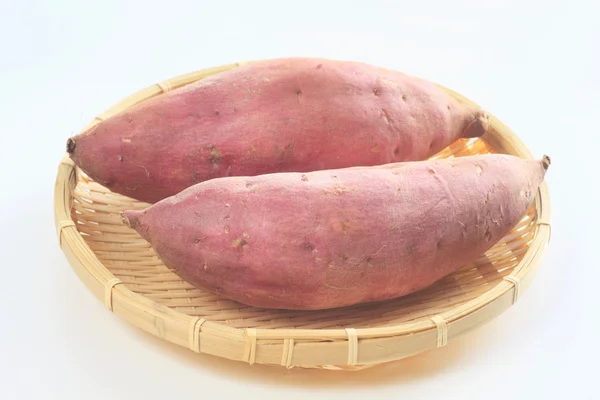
192, 331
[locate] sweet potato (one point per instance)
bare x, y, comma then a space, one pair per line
339, 237
282, 115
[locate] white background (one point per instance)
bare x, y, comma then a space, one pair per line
535, 65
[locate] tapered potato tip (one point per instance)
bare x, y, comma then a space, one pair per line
546, 162
478, 126
131, 218
71, 145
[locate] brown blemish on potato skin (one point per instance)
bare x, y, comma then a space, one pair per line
337, 190
214, 156
239, 242
304, 178
285, 153
340, 189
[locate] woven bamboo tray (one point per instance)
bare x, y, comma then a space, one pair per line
121, 270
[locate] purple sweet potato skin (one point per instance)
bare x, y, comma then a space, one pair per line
282, 115
338, 237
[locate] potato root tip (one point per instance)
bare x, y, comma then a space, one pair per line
70, 145
130, 218
478, 125
546, 162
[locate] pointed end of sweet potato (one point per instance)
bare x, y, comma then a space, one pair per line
478, 125
131, 218
546, 162
71, 143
